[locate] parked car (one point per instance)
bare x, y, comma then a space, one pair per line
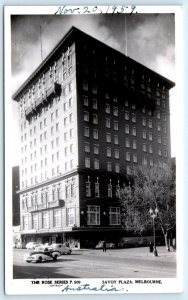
61, 248
32, 245
20, 245
109, 245
41, 256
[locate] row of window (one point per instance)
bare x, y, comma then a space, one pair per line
96, 165
43, 221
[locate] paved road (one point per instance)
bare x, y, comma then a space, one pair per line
116, 263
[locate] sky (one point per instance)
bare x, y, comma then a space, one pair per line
146, 38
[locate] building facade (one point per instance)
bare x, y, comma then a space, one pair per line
88, 115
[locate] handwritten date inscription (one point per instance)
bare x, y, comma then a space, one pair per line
63, 10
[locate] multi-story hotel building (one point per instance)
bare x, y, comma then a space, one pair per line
88, 114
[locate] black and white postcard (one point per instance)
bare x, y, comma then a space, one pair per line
93, 149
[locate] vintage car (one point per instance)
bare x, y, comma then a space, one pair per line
32, 245
61, 248
109, 245
41, 255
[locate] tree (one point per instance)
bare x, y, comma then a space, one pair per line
150, 188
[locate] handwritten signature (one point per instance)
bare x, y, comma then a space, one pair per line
87, 287
63, 10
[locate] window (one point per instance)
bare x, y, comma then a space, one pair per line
133, 118
109, 152
165, 141
150, 136
158, 114
118, 190
164, 129
86, 101
107, 108
117, 168
70, 86
71, 164
128, 156
128, 170
151, 162
133, 106
57, 141
107, 123
66, 166
70, 102
94, 104
96, 164
127, 143
165, 153
164, 117
52, 130
110, 190
114, 213
159, 127
134, 144
115, 125
65, 106
127, 128
126, 103
65, 91
107, 96
65, 136
45, 219
87, 162
85, 85
93, 215
126, 115
57, 218
97, 191
116, 153
158, 101
144, 161
86, 131
115, 99
144, 148
149, 112
159, 139
70, 118
94, 88
87, 147
57, 127
150, 149
88, 189
135, 160
116, 139
70, 216
109, 166
71, 132
163, 104
143, 110
144, 121
40, 125
86, 116
108, 137
95, 119
134, 131
115, 111
95, 134
159, 152
150, 125
96, 149
144, 134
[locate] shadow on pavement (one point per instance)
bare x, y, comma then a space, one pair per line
37, 271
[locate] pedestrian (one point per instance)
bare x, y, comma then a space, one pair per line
150, 247
104, 246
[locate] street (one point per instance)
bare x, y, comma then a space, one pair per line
92, 263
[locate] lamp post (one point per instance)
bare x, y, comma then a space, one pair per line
153, 215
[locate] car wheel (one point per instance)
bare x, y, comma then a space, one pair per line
28, 261
40, 259
69, 252
55, 257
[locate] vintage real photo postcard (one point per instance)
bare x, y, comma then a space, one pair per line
93, 126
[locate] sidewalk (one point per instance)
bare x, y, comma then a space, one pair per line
163, 254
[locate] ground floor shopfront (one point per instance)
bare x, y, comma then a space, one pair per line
77, 237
